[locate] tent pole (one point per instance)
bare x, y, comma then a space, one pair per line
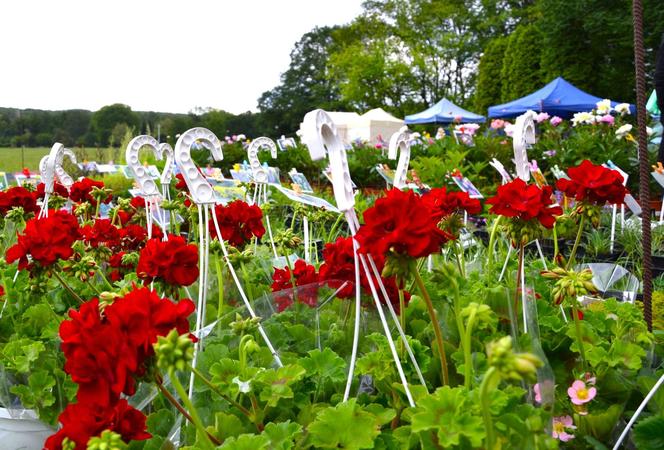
644, 170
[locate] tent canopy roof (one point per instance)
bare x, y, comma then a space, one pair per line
381, 115
444, 112
559, 97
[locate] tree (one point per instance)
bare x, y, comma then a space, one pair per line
304, 86
521, 73
489, 77
103, 121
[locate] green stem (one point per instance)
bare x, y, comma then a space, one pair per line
462, 334
220, 285
92, 286
492, 242
216, 390
458, 253
572, 255
105, 280
334, 228
491, 379
435, 325
67, 287
402, 320
517, 293
555, 241
200, 429
579, 334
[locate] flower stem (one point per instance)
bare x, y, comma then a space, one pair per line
462, 339
572, 255
220, 285
173, 401
66, 286
579, 333
196, 420
402, 320
492, 242
518, 282
555, 241
435, 325
491, 379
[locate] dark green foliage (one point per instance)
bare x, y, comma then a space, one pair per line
521, 72
489, 85
104, 121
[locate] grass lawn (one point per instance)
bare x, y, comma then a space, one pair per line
15, 159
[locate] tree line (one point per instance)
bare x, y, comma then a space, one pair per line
403, 56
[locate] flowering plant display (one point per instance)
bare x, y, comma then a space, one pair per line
102, 338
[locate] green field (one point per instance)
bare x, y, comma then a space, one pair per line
15, 159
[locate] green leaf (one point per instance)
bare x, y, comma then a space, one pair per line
325, 364
227, 425
451, 414
246, 442
648, 433
160, 422
626, 354
18, 355
282, 435
344, 426
384, 415
278, 383
40, 321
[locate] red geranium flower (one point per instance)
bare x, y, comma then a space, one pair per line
525, 202
103, 232
174, 261
133, 236
82, 421
47, 240
339, 266
442, 203
401, 223
306, 282
81, 191
119, 268
595, 185
181, 184
18, 196
239, 222
58, 189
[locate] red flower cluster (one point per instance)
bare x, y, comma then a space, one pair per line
18, 196
132, 236
401, 223
103, 233
47, 240
238, 222
525, 202
119, 269
105, 354
58, 189
306, 282
595, 185
173, 261
442, 203
181, 184
339, 267
81, 191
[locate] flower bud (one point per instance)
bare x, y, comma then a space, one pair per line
174, 351
108, 440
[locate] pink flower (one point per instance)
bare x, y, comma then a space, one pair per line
555, 121
497, 124
541, 117
538, 394
579, 394
607, 118
458, 119
560, 426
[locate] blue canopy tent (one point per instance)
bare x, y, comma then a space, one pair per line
444, 112
558, 98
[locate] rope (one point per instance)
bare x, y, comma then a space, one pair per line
644, 169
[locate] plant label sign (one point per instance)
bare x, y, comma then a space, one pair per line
467, 186
299, 179
630, 201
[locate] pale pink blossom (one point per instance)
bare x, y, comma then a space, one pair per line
560, 426
555, 121
497, 124
580, 394
589, 378
608, 119
538, 394
541, 117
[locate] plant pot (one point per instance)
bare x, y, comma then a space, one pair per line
27, 433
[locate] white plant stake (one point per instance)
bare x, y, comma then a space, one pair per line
400, 141
203, 196
50, 167
524, 136
260, 177
146, 183
165, 150
319, 133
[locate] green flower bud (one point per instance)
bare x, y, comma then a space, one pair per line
174, 351
68, 444
512, 366
108, 440
243, 326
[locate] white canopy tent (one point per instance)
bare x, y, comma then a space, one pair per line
343, 121
374, 125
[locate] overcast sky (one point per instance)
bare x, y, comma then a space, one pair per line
152, 55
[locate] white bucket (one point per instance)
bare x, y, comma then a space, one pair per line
28, 433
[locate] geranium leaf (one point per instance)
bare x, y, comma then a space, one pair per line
344, 426
648, 433
325, 364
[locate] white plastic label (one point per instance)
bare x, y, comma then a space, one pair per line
524, 135
400, 141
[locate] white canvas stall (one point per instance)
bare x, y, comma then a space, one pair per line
374, 125
343, 120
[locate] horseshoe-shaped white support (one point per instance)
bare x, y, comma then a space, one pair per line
258, 171
60, 173
524, 136
400, 141
319, 133
200, 189
506, 178
165, 150
146, 183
